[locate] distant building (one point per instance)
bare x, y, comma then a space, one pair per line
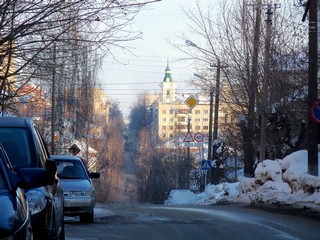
171, 114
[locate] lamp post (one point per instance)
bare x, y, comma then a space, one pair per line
210, 116
217, 100
188, 155
219, 66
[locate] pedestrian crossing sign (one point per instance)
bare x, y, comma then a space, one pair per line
206, 164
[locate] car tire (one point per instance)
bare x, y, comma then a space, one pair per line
62, 234
54, 228
87, 217
54, 232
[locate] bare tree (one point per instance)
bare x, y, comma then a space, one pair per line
29, 28
234, 37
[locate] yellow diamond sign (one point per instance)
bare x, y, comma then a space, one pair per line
191, 102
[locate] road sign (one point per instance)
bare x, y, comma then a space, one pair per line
206, 164
188, 138
191, 102
198, 144
188, 144
315, 111
198, 137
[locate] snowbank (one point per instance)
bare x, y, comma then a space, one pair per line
282, 181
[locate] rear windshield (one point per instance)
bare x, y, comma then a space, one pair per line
70, 169
16, 142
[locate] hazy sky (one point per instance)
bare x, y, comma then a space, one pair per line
161, 22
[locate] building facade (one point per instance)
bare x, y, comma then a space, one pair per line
173, 115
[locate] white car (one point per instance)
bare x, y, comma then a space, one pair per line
79, 193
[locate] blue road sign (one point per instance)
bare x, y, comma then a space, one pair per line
315, 111
206, 164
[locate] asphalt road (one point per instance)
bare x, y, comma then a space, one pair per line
221, 222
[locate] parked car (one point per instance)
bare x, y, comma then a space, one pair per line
79, 193
15, 220
26, 149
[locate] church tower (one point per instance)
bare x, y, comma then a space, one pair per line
168, 87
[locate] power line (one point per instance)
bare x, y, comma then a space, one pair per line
131, 70
135, 83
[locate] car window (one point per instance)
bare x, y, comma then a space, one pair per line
3, 185
41, 147
71, 170
16, 143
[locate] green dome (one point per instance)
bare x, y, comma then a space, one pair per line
167, 76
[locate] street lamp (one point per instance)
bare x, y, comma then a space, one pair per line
210, 115
211, 153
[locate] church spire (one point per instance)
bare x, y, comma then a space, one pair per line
167, 76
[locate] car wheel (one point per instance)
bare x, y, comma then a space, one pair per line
87, 217
43, 228
62, 235
53, 235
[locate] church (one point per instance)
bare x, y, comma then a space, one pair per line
173, 115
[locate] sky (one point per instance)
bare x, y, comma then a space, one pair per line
269, 186
160, 22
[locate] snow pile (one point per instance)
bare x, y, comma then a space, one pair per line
281, 182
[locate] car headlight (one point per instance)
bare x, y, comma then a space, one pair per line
36, 200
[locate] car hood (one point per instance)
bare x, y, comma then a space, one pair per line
76, 184
10, 221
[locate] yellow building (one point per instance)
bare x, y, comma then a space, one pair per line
101, 105
173, 114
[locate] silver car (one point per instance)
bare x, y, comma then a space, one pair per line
79, 193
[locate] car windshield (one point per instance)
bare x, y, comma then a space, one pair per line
15, 142
70, 170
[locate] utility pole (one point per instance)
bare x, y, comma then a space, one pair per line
249, 149
219, 66
53, 102
210, 123
313, 87
265, 89
216, 103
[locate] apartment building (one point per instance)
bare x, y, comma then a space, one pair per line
173, 115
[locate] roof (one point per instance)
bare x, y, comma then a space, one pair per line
15, 121
167, 76
65, 157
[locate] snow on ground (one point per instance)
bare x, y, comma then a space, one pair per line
276, 182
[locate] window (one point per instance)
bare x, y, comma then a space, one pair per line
171, 127
197, 119
205, 119
181, 119
16, 142
163, 111
205, 112
171, 119
197, 112
164, 119
164, 128
197, 127
205, 128
171, 136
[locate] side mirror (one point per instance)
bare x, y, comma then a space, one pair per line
94, 175
51, 168
32, 178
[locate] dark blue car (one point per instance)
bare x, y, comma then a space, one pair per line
26, 148
15, 221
